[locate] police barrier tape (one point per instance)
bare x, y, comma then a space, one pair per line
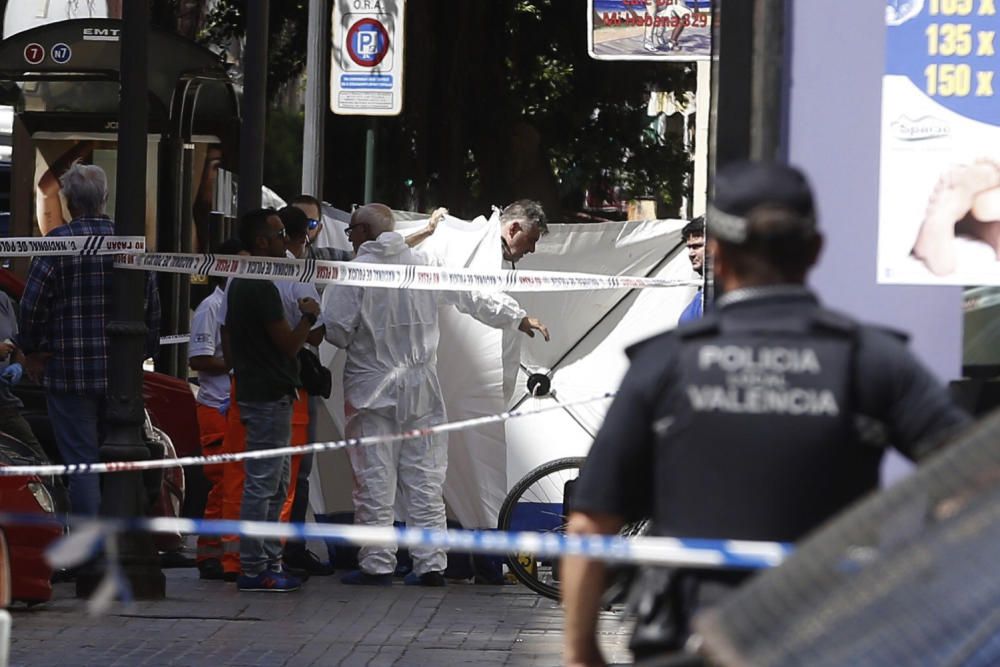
120, 466
31, 246
402, 276
641, 550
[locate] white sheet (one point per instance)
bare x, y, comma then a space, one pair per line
586, 355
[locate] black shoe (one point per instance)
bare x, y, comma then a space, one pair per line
308, 562
231, 577
434, 579
211, 569
359, 578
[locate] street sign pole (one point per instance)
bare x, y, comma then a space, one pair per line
366, 73
370, 161
252, 130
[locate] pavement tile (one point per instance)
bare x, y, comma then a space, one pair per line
207, 624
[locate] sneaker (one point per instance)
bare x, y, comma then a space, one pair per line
210, 569
360, 578
434, 579
268, 581
649, 46
308, 562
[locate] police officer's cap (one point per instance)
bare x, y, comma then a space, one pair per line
742, 187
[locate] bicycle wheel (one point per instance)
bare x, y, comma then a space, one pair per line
536, 504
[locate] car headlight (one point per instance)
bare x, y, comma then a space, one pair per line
42, 496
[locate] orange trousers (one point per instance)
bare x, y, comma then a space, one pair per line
212, 427
233, 476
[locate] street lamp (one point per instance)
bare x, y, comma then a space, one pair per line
124, 494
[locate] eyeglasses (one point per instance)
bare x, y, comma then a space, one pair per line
280, 234
312, 224
350, 227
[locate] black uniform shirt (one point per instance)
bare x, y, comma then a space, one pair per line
756, 422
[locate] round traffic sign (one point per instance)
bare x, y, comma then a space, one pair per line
34, 53
61, 53
367, 42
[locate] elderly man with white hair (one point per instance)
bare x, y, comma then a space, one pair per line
391, 386
65, 309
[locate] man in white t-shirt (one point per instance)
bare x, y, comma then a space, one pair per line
205, 356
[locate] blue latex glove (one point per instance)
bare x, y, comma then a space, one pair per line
12, 375
223, 407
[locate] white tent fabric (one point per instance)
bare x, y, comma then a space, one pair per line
590, 331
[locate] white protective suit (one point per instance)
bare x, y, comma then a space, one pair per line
391, 386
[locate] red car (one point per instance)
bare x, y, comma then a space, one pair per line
30, 574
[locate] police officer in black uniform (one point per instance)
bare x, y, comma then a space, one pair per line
758, 422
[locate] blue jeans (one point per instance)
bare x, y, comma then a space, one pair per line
268, 425
77, 424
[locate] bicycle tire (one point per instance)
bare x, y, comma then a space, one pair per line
519, 563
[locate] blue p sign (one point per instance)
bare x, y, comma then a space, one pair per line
367, 42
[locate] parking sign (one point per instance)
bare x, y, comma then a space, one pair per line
367, 69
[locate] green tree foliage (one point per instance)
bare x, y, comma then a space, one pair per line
286, 46
283, 153
501, 101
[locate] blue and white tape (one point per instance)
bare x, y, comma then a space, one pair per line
119, 466
364, 274
640, 550
32, 246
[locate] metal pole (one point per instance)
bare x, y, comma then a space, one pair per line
317, 79
124, 493
370, 162
732, 49
254, 107
767, 92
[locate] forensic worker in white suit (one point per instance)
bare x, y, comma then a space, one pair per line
391, 386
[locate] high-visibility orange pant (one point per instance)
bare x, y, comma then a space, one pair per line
233, 474
300, 436
212, 426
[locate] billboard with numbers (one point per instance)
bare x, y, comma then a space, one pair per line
663, 30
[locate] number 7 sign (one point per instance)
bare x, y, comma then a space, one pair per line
34, 53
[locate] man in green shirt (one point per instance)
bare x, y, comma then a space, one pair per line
263, 348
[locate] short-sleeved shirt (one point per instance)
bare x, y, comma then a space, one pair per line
206, 341
756, 477
694, 309
263, 372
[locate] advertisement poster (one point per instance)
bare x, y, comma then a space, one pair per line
366, 77
939, 202
667, 30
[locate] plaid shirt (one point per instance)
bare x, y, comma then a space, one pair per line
66, 307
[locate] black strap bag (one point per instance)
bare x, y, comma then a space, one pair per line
316, 378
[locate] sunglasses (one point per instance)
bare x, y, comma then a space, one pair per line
350, 227
312, 225
280, 234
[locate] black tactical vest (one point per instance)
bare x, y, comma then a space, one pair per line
756, 434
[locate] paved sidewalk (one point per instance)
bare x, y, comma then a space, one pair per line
326, 623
